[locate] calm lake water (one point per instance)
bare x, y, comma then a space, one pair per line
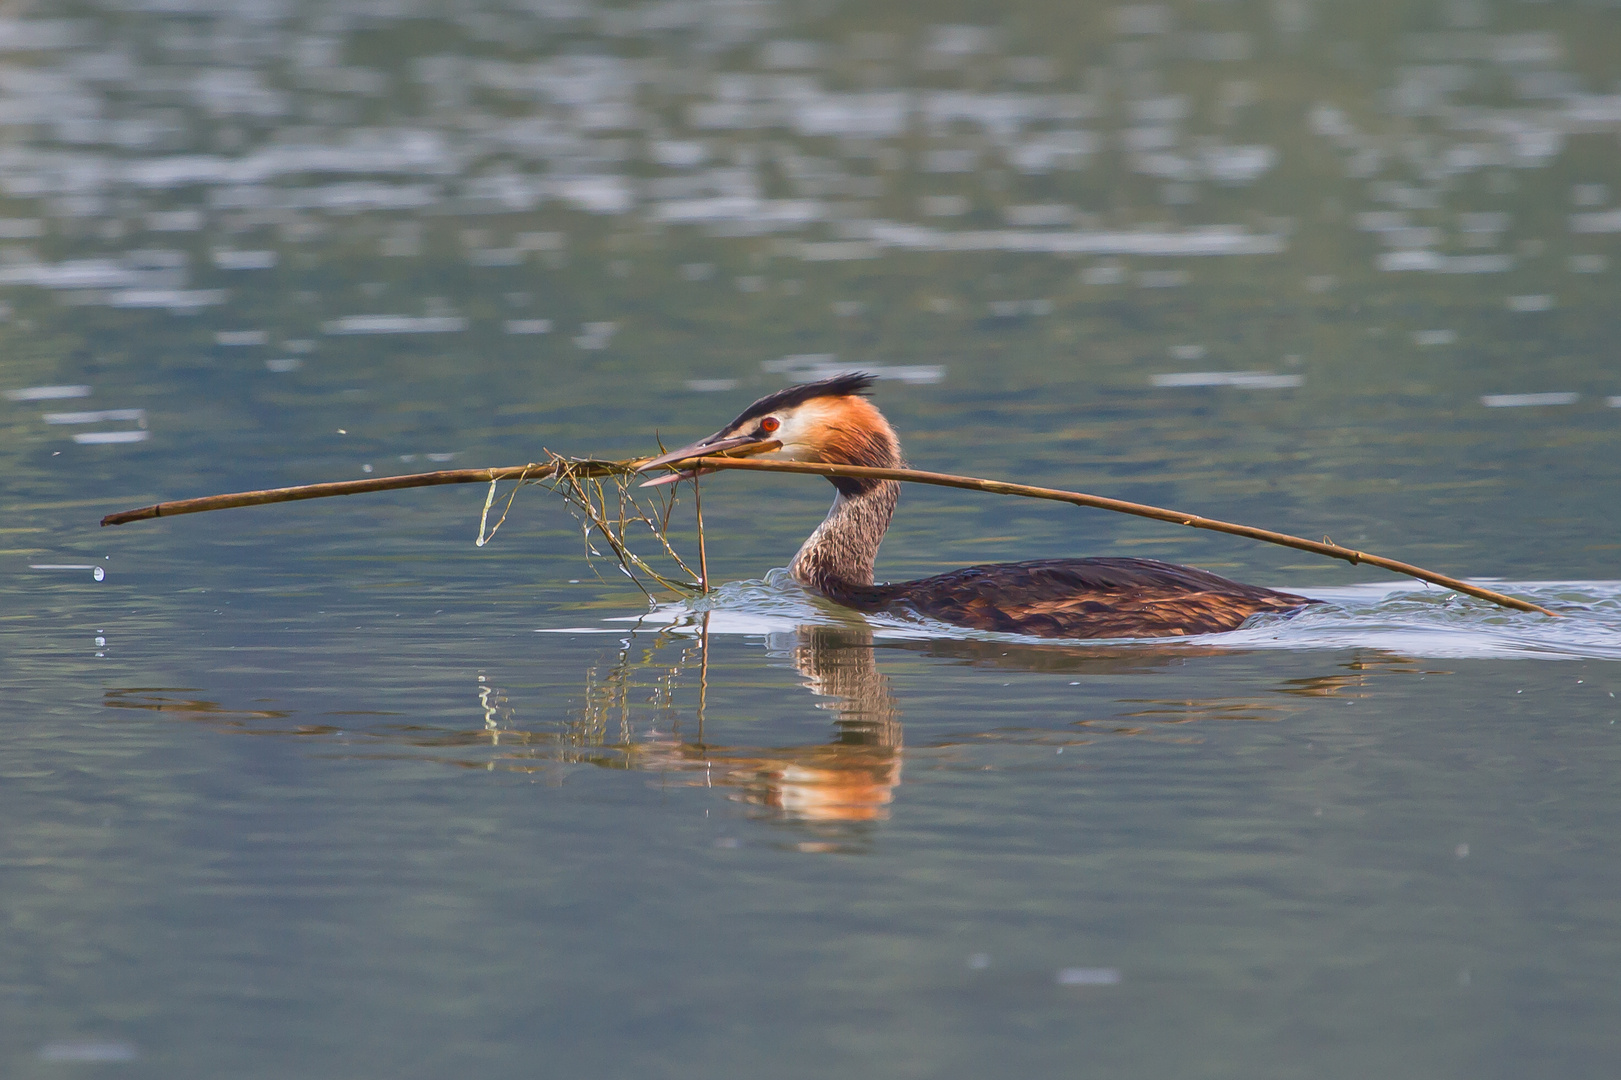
326, 790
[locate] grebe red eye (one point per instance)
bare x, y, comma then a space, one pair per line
770, 424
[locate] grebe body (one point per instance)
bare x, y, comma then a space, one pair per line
1076, 598
832, 421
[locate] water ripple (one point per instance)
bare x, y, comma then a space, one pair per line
1410, 619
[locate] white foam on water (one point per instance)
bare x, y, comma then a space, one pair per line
73, 274
173, 299
1604, 221
808, 367
47, 393
1406, 617
767, 214
1208, 240
1530, 303
1088, 977
91, 438
1519, 401
96, 416
1433, 262
21, 228
345, 198
1249, 380
395, 324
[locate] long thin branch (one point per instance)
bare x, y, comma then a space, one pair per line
916, 476
322, 491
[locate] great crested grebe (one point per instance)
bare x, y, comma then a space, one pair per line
831, 421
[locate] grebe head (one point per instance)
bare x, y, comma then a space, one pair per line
827, 421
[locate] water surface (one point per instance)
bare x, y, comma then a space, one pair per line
326, 789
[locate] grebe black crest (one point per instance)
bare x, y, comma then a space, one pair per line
832, 421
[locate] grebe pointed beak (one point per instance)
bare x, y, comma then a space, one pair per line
739, 446
700, 448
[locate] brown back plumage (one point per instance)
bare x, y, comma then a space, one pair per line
1080, 598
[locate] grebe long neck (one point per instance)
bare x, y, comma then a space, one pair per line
837, 559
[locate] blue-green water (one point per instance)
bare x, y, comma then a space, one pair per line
324, 789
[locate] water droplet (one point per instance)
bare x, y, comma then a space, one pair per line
100, 641
98, 573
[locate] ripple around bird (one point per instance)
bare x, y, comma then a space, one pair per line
1411, 619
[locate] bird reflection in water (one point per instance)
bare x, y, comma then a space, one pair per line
850, 778
644, 710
